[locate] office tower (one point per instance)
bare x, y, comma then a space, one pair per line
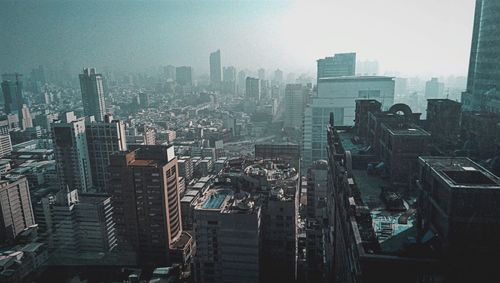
252, 89
241, 82
229, 80
5, 145
483, 83
227, 235
144, 188
103, 139
77, 228
91, 85
341, 93
16, 213
261, 74
71, 153
278, 76
215, 69
25, 118
183, 75
169, 72
338, 96
343, 64
434, 89
12, 88
295, 100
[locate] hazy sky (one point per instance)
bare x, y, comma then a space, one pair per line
413, 37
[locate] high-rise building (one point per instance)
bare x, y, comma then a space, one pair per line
103, 139
241, 82
229, 80
169, 72
434, 89
25, 118
12, 88
16, 213
253, 89
215, 69
341, 93
295, 100
342, 64
227, 235
483, 82
71, 153
338, 96
145, 192
91, 84
5, 145
78, 228
278, 76
184, 75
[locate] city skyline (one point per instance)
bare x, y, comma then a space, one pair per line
267, 33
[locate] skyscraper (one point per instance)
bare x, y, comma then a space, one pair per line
342, 64
229, 80
295, 99
278, 76
252, 89
103, 139
12, 88
92, 88
483, 83
144, 187
16, 213
184, 76
215, 69
261, 73
25, 118
71, 153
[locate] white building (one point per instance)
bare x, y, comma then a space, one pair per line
341, 93
338, 96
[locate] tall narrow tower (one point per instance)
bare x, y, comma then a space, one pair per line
215, 69
91, 85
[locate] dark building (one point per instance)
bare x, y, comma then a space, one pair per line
184, 76
483, 82
479, 133
145, 192
12, 88
91, 84
458, 215
443, 120
363, 108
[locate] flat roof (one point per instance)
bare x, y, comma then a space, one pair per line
407, 131
356, 78
461, 172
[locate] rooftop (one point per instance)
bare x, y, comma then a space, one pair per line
461, 172
356, 78
406, 130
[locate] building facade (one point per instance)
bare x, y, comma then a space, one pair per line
103, 139
71, 153
145, 192
91, 85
